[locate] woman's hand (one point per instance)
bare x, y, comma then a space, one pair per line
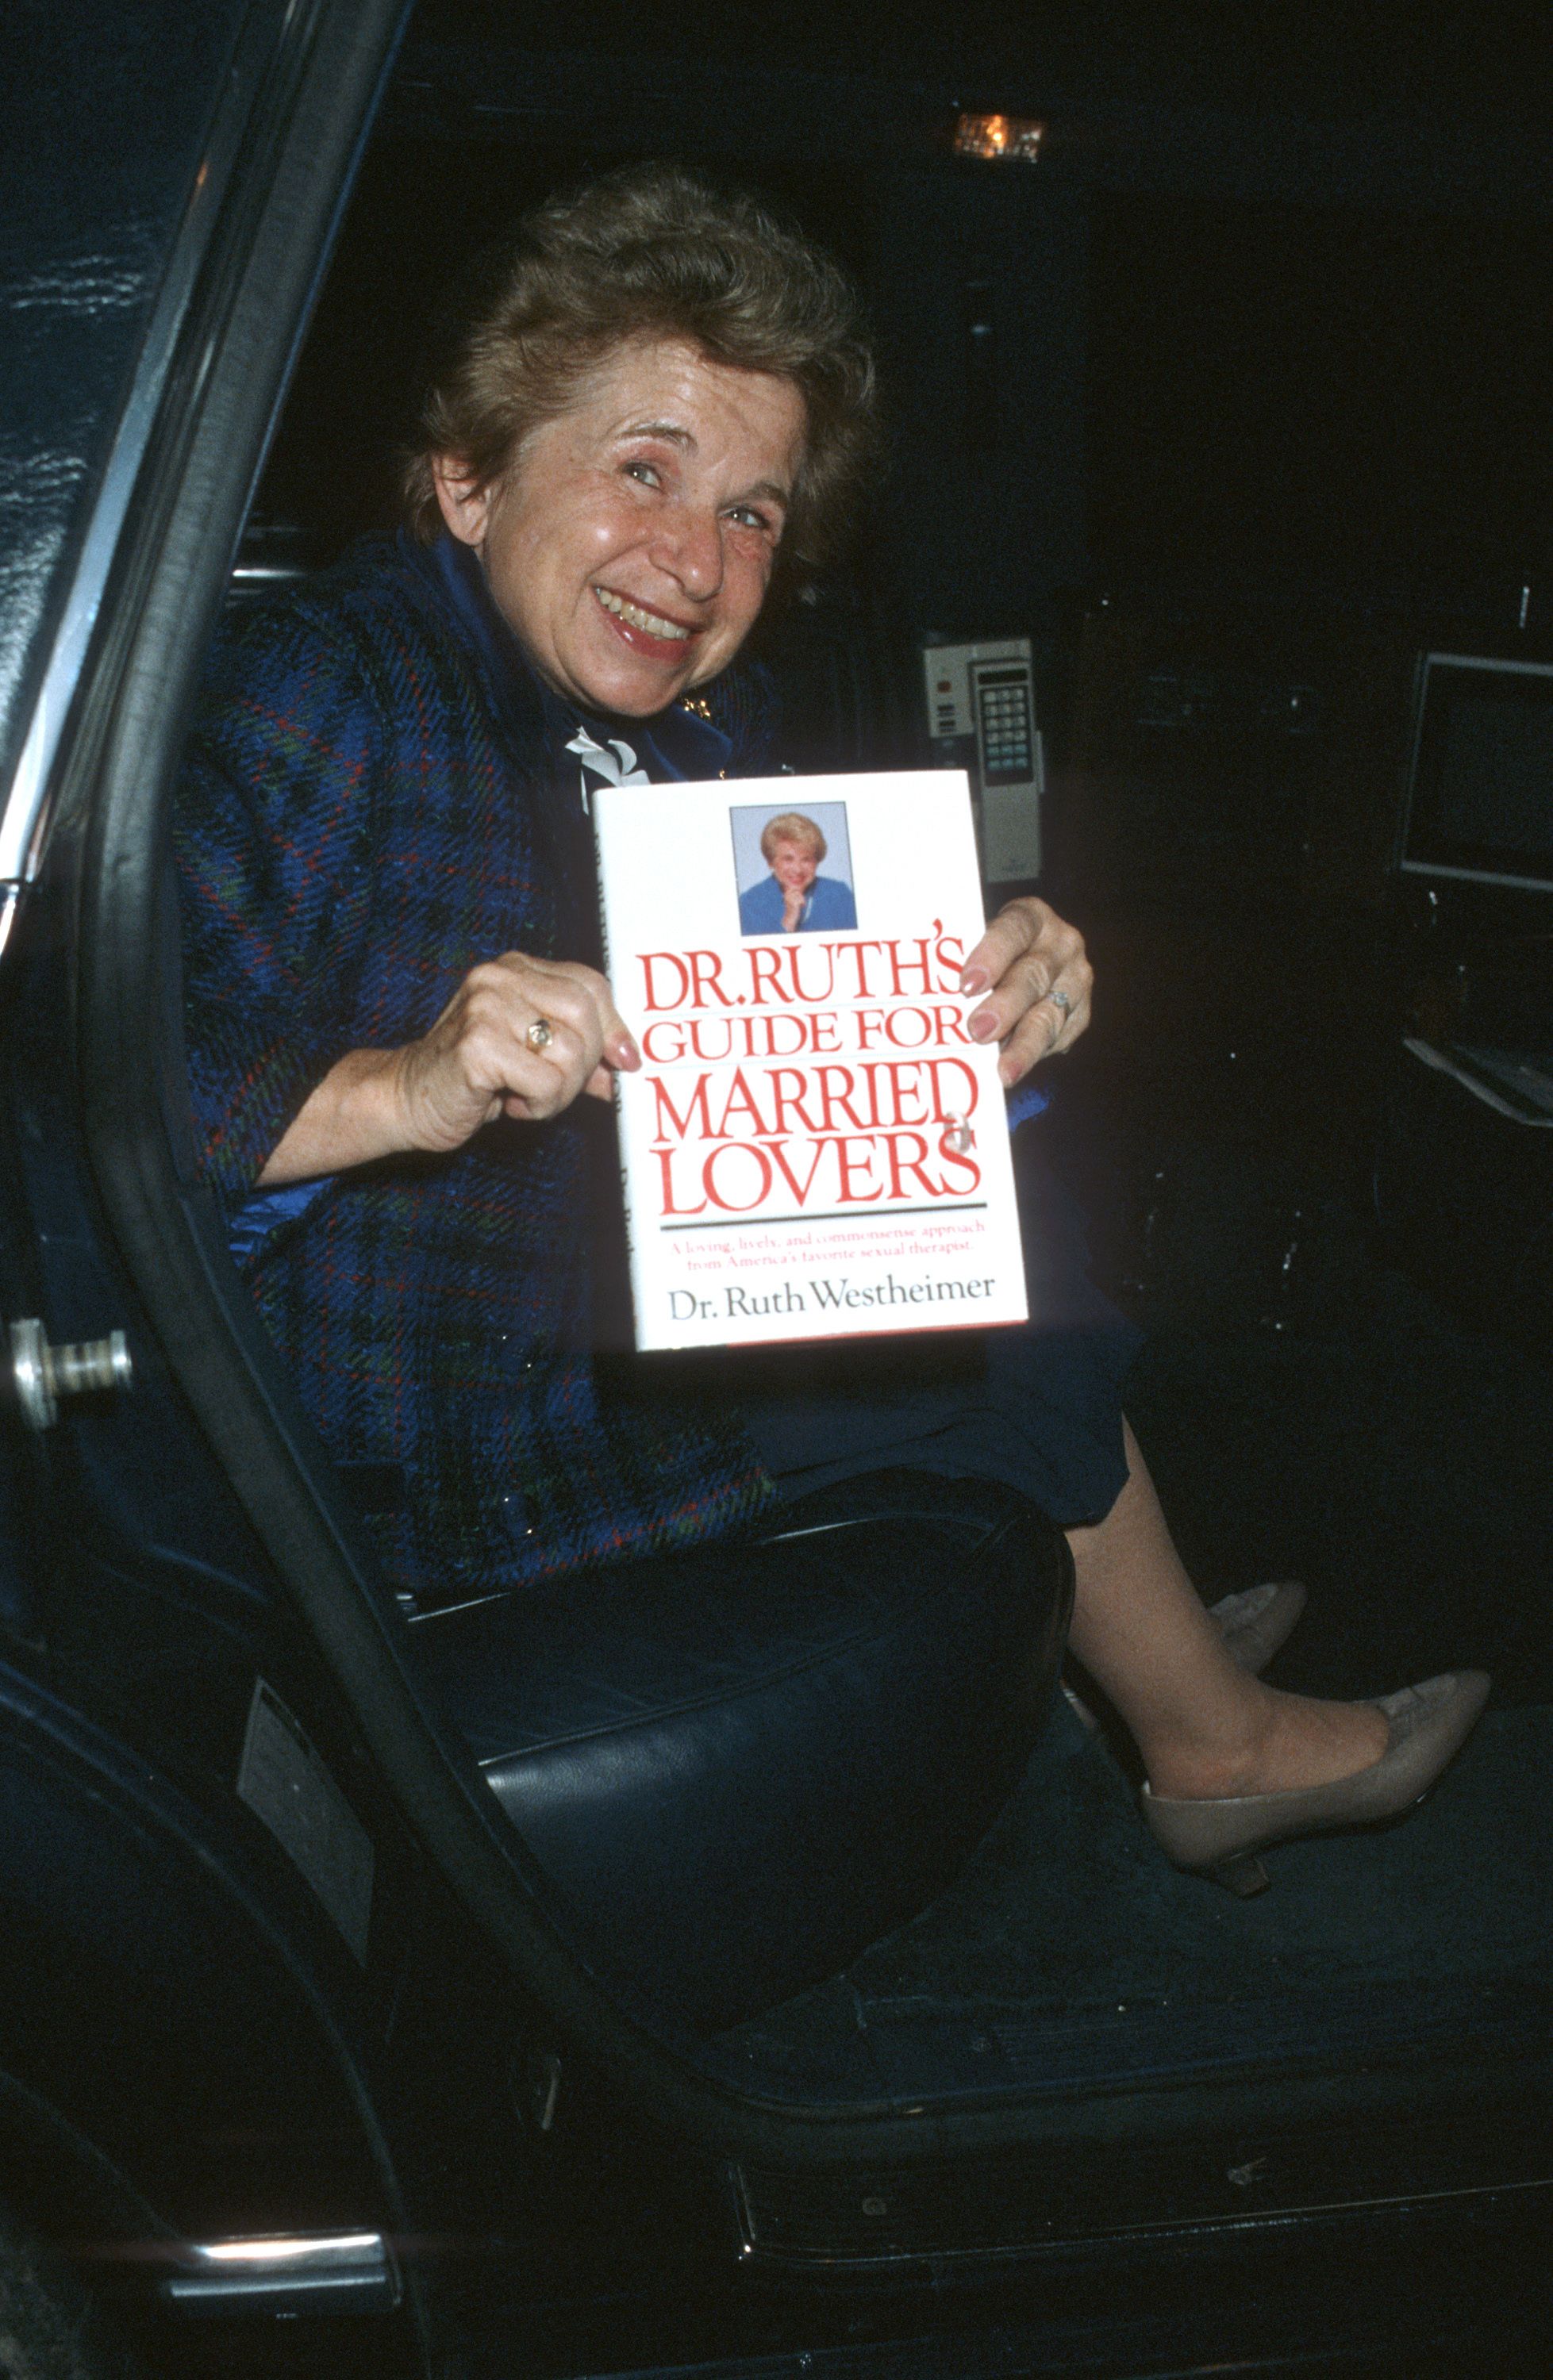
521, 1037
1032, 965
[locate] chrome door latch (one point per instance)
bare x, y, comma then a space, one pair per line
44, 1374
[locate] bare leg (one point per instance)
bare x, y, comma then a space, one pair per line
1202, 1725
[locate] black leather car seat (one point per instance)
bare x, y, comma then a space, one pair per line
741, 1765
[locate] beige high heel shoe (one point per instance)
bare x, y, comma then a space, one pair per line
1429, 1723
1253, 1623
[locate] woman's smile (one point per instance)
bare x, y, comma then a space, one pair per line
640, 625
630, 544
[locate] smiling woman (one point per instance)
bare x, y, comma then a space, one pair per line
632, 540
401, 1034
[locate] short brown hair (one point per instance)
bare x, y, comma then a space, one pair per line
652, 251
792, 827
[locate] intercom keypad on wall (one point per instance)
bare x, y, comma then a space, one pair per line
981, 717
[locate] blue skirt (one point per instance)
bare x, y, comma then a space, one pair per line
1038, 1407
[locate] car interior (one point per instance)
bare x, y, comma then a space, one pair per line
1236, 452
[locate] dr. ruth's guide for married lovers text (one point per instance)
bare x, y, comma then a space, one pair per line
814, 1146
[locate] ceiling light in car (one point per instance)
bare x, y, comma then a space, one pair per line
1008, 138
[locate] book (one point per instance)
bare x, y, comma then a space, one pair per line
814, 1148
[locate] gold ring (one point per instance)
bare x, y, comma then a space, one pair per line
540, 1034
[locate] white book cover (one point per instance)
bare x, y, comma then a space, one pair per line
814, 1148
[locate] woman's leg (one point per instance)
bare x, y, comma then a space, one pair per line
1202, 1725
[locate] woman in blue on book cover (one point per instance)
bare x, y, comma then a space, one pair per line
660, 412
794, 898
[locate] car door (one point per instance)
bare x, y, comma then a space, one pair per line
174, 1975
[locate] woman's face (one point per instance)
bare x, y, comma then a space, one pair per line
630, 544
794, 866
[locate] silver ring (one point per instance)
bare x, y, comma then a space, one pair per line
541, 1033
1061, 1000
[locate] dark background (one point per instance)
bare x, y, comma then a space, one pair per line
1271, 313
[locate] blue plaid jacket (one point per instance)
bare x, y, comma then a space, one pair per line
377, 798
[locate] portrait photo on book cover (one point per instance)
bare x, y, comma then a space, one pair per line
792, 868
